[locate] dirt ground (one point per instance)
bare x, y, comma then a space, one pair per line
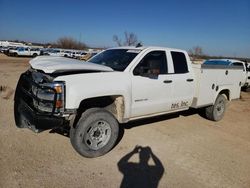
184, 150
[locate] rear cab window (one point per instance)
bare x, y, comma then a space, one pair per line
179, 62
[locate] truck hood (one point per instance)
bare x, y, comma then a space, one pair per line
50, 64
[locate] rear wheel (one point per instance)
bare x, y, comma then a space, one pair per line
34, 55
217, 111
245, 88
95, 133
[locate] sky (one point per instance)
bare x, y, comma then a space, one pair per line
220, 27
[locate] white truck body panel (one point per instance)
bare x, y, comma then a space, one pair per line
234, 62
244, 73
143, 96
85, 86
205, 93
248, 74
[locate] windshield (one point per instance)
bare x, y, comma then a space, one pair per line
117, 59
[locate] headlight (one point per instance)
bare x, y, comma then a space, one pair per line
50, 96
45, 94
46, 107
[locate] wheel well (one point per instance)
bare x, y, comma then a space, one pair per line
226, 92
114, 104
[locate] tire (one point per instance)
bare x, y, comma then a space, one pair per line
15, 54
95, 133
217, 111
245, 88
34, 55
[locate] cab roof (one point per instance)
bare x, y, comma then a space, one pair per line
146, 48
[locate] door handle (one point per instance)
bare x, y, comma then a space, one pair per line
190, 80
167, 81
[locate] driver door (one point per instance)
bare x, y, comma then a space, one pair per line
151, 85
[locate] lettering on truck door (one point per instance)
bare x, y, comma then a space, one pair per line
183, 81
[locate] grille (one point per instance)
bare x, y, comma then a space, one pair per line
27, 89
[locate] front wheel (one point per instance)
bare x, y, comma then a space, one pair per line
217, 111
95, 133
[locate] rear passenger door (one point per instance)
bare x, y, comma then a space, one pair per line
183, 81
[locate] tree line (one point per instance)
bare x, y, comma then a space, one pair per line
129, 39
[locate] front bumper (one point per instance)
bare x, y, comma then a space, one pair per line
26, 117
26, 114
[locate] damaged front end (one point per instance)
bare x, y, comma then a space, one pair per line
39, 102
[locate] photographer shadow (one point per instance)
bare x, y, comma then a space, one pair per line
141, 174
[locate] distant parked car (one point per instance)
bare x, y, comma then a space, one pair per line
44, 51
78, 55
3, 49
67, 53
24, 51
88, 56
59, 52
54, 52
6, 50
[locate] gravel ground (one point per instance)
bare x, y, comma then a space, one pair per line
182, 150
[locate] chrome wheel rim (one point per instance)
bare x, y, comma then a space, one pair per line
220, 107
97, 135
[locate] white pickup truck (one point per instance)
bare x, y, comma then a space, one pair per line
116, 86
24, 51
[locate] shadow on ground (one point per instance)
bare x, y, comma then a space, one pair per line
140, 174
